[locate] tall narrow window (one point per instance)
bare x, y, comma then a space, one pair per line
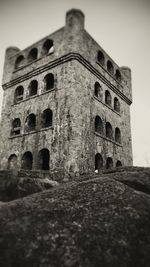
100, 58
98, 162
117, 135
32, 54
110, 67
47, 118
109, 163
98, 92
33, 88
98, 125
43, 159
16, 127
109, 131
19, 94
48, 47
118, 75
107, 98
30, 122
27, 161
19, 61
116, 104
49, 81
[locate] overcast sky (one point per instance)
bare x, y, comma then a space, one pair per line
121, 27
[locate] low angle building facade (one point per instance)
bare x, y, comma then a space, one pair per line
66, 104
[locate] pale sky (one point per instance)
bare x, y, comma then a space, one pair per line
121, 27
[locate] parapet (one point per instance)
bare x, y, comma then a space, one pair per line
127, 72
11, 51
75, 19
9, 62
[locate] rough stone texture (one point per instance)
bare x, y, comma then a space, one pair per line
71, 140
14, 186
98, 222
136, 177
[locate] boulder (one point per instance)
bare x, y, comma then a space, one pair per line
92, 223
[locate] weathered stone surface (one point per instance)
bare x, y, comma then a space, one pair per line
98, 222
71, 140
17, 187
136, 177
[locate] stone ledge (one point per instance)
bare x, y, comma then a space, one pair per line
107, 139
62, 60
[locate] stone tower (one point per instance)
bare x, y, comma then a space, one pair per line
66, 104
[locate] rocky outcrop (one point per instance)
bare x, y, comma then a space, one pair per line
14, 185
91, 223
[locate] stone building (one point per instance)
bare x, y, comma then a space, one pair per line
66, 104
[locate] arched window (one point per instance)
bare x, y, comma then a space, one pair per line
98, 91
98, 125
43, 159
19, 61
27, 161
100, 58
33, 87
16, 127
117, 135
109, 131
110, 67
107, 98
116, 104
30, 122
19, 94
32, 54
98, 162
109, 163
49, 81
12, 162
118, 75
47, 118
48, 47
118, 163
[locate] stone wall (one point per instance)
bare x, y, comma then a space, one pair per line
71, 139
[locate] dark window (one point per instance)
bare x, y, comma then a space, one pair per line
100, 58
12, 162
117, 135
19, 93
98, 162
48, 47
98, 91
16, 127
47, 118
27, 160
43, 159
33, 88
118, 75
49, 81
110, 67
116, 104
118, 163
109, 131
98, 125
109, 163
107, 98
30, 123
32, 54
19, 61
